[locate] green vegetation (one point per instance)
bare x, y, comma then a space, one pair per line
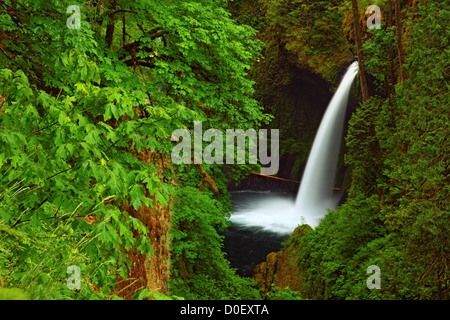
397, 212
86, 117
201, 270
79, 110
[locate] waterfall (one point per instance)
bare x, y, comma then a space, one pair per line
316, 193
280, 214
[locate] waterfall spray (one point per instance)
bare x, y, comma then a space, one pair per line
316, 193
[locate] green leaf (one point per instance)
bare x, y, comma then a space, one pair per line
145, 246
137, 196
113, 184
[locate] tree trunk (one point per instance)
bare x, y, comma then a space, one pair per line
391, 82
111, 24
399, 32
357, 29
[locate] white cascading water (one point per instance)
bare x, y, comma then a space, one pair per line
316, 194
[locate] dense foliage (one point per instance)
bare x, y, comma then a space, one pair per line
86, 117
397, 214
80, 108
201, 270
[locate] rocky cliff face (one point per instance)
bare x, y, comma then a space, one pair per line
282, 268
295, 76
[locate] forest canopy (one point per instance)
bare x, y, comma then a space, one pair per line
91, 92
86, 119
